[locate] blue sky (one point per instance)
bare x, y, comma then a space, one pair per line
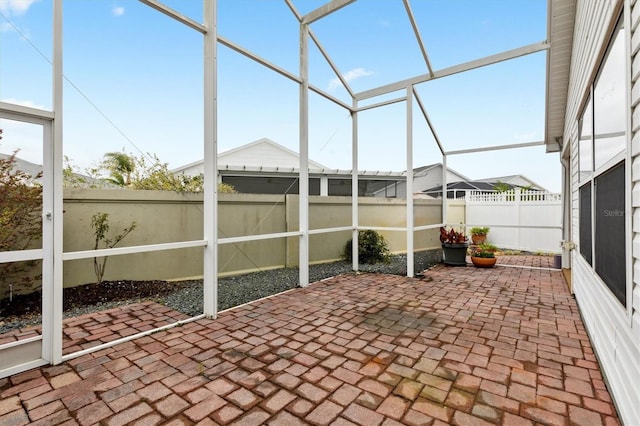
143, 71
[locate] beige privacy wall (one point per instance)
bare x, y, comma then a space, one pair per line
163, 216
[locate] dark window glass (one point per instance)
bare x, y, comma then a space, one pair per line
610, 236
585, 222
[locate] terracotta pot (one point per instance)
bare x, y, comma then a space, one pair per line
483, 262
478, 239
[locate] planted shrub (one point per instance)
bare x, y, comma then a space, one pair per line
372, 248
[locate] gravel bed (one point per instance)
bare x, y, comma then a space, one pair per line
240, 289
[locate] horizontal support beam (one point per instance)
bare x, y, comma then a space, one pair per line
249, 238
456, 69
24, 113
129, 338
88, 254
379, 104
21, 342
382, 228
325, 10
427, 227
330, 230
495, 148
21, 255
154, 4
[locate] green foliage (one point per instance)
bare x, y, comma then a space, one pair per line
486, 250
225, 188
452, 236
501, 187
120, 166
100, 225
479, 230
20, 213
372, 248
132, 172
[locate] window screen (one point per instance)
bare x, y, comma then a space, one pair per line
585, 222
610, 236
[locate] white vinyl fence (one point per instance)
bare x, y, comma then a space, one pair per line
519, 220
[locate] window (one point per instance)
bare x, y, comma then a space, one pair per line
602, 145
610, 237
585, 222
585, 145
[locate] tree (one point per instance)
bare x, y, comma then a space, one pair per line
20, 216
134, 172
100, 225
501, 186
120, 166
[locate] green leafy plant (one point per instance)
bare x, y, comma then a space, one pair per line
486, 250
137, 172
452, 236
100, 225
372, 248
479, 230
20, 218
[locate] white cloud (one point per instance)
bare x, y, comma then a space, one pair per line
15, 7
349, 76
385, 23
117, 11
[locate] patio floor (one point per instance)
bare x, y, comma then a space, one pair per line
460, 346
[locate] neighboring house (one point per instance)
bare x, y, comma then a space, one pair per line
266, 167
457, 189
34, 169
514, 181
592, 119
424, 177
427, 182
24, 166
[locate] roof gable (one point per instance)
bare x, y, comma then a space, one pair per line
263, 153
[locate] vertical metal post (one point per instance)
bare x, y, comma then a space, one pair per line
354, 188
410, 218
210, 281
52, 291
304, 157
444, 188
628, 172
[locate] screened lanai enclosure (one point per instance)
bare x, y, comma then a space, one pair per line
359, 90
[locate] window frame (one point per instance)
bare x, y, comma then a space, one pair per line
619, 28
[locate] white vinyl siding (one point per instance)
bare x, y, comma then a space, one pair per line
615, 334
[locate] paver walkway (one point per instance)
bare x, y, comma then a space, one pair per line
461, 346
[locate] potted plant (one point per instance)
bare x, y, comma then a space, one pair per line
454, 247
479, 234
483, 255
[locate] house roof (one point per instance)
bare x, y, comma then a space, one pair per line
421, 171
24, 165
509, 180
560, 34
468, 185
258, 155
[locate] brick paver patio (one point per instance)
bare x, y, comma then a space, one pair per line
461, 346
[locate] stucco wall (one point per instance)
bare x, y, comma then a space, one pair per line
167, 217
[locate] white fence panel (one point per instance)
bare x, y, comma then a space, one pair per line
519, 220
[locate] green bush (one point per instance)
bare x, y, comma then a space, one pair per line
372, 248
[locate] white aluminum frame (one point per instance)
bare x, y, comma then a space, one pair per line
54, 257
